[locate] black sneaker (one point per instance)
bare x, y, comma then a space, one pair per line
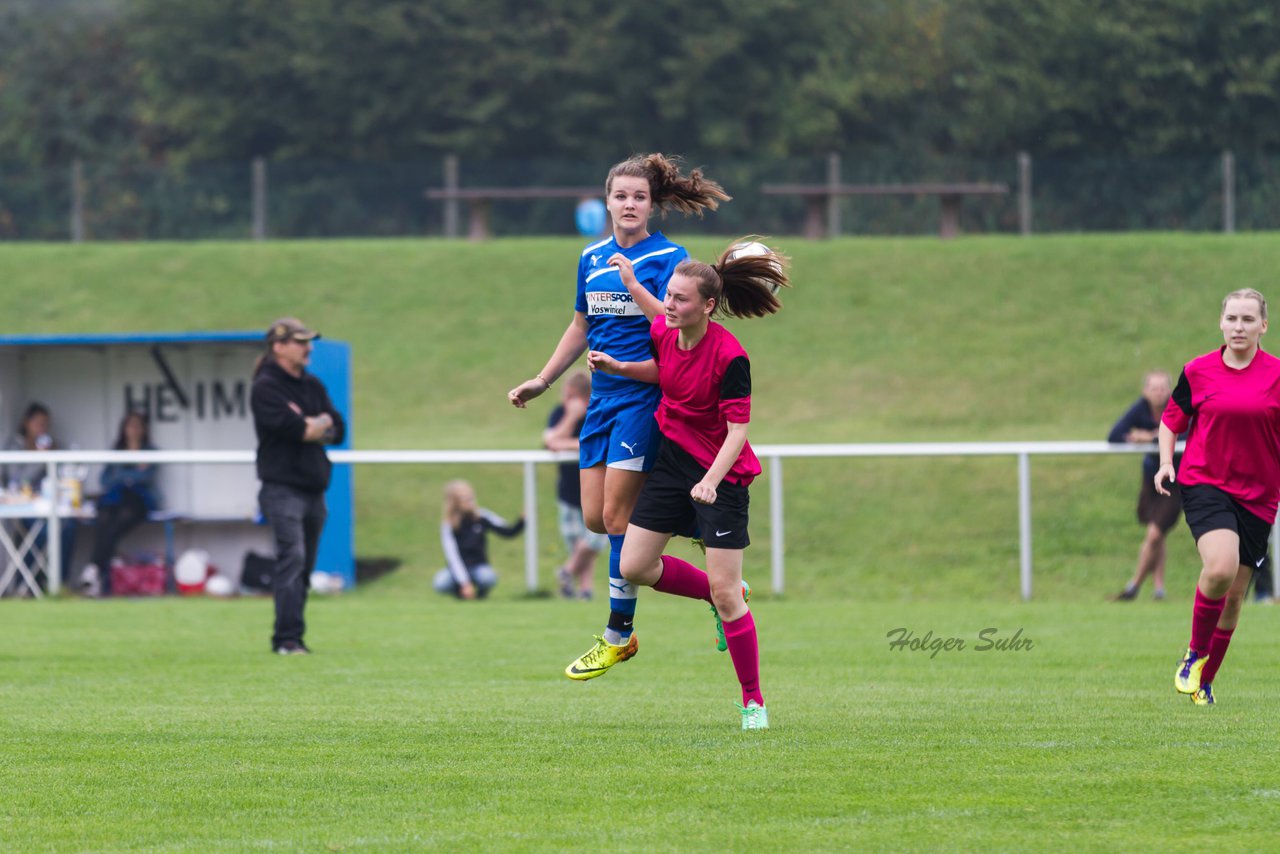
1125, 595
564, 581
292, 648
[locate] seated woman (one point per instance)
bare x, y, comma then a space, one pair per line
33, 434
128, 495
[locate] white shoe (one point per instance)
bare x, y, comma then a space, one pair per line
754, 716
91, 581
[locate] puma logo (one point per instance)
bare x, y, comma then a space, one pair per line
631, 449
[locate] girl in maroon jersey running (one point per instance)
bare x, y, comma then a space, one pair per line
705, 464
1230, 477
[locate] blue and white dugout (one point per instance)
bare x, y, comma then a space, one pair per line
195, 388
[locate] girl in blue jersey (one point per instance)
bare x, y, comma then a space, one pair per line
706, 464
619, 440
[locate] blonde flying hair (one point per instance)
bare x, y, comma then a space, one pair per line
1246, 293
453, 492
668, 187
741, 287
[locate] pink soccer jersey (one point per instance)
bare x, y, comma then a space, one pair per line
1234, 418
703, 389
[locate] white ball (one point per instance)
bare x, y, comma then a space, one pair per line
754, 247
751, 247
326, 582
219, 585
191, 568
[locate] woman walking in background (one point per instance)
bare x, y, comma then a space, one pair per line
575, 578
1230, 477
706, 465
618, 442
1158, 513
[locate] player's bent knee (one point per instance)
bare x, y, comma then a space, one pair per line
1220, 576
728, 600
614, 523
633, 572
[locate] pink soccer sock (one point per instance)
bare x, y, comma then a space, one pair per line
1204, 619
681, 578
745, 652
1217, 650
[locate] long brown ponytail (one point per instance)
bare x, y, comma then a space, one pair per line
745, 286
689, 194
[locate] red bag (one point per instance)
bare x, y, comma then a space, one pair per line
138, 579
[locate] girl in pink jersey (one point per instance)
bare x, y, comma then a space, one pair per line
1230, 477
705, 464
617, 445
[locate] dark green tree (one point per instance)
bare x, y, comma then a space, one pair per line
68, 86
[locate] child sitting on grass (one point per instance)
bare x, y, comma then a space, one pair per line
464, 534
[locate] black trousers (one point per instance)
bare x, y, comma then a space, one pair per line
113, 522
297, 518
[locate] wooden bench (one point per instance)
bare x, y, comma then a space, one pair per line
817, 197
479, 200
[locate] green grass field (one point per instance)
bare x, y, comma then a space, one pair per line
426, 724
882, 340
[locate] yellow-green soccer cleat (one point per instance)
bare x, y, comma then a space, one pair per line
595, 661
754, 716
721, 642
1203, 697
1187, 678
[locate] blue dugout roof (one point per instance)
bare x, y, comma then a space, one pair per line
133, 338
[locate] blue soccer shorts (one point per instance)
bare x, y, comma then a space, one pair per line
620, 431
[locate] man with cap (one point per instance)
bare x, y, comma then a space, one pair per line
294, 419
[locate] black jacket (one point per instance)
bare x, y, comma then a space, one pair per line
281, 402
1139, 416
467, 546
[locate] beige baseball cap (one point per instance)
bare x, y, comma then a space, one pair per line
290, 329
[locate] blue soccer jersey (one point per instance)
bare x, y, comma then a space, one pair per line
615, 323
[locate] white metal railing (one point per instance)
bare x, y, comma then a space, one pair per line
529, 460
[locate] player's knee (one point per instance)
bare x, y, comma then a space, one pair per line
594, 522
728, 599
1220, 577
615, 520
633, 571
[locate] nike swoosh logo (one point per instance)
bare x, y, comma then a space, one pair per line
1260, 562
724, 533
576, 669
